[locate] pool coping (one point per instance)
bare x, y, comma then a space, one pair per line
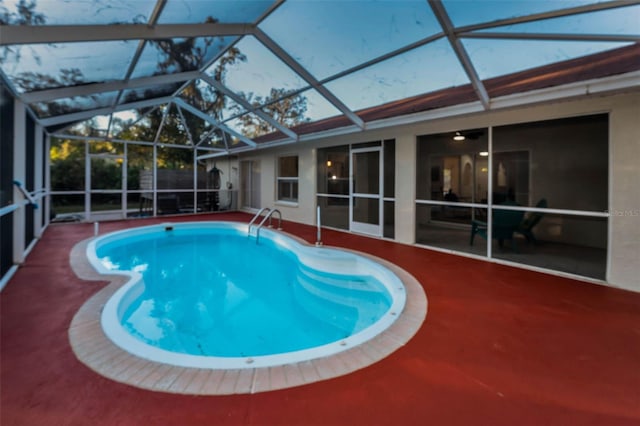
94, 349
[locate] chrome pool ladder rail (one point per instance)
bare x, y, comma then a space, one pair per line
257, 215
269, 216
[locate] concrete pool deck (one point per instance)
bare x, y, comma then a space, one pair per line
500, 346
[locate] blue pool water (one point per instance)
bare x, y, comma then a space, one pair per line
210, 290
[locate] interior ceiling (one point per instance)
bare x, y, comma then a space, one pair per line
230, 75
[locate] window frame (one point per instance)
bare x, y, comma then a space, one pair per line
293, 182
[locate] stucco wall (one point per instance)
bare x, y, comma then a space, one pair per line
624, 172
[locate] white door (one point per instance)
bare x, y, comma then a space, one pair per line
365, 212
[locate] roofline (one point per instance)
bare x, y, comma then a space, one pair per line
605, 71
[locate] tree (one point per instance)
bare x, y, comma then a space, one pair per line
286, 110
67, 165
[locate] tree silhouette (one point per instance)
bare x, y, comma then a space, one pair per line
286, 110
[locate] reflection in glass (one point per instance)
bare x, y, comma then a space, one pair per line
425, 69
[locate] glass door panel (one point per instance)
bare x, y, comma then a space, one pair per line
366, 197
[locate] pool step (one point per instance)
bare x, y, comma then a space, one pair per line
347, 304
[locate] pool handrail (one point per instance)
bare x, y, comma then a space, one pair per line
269, 216
257, 215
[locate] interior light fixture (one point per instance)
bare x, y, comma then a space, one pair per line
484, 154
458, 137
328, 163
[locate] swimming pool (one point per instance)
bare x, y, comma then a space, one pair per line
205, 295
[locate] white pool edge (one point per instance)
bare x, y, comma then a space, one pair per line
111, 318
351, 356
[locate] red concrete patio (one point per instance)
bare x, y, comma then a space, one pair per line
499, 346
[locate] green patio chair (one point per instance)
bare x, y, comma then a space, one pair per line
505, 224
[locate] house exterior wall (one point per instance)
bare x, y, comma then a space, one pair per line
624, 169
624, 203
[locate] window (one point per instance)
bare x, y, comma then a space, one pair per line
287, 180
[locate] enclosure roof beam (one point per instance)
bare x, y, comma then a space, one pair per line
554, 36
35, 34
85, 115
110, 86
594, 7
446, 24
